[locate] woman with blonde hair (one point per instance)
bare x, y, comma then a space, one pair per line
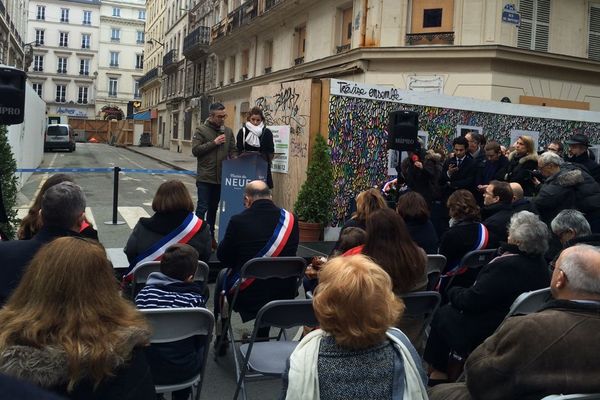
66, 328
521, 162
356, 353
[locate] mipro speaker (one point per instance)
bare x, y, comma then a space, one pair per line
12, 95
402, 130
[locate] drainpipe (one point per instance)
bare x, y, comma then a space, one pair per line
363, 25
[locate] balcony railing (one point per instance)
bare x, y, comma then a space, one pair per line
343, 48
170, 60
149, 76
413, 39
238, 17
196, 43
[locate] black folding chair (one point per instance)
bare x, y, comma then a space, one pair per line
435, 265
474, 260
419, 309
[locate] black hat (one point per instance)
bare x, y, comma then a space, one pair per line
579, 138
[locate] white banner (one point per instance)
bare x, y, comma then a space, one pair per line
373, 92
281, 139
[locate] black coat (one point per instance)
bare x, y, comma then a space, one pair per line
464, 178
266, 149
424, 235
496, 219
16, 254
524, 205
424, 181
492, 170
458, 241
571, 187
519, 170
590, 166
474, 313
247, 233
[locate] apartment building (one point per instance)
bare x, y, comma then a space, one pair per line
120, 53
542, 52
64, 69
13, 32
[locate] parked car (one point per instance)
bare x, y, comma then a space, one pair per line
59, 136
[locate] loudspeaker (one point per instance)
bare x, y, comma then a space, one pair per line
402, 130
12, 95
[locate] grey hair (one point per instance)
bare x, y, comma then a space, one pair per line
549, 157
530, 234
571, 219
62, 205
582, 275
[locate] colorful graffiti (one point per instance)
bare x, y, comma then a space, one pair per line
357, 138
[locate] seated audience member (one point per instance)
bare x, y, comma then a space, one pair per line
66, 327
32, 222
351, 237
413, 209
356, 354
62, 213
367, 201
579, 154
567, 186
556, 147
549, 352
494, 166
474, 313
497, 210
262, 230
173, 218
519, 202
174, 287
521, 162
571, 227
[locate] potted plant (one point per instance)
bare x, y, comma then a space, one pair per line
313, 206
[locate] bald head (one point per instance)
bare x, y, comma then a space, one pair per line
517, 191
577, 273
256, 190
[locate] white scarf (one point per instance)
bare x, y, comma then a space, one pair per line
253, 133
303, 377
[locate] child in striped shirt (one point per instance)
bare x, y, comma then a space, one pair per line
174, 287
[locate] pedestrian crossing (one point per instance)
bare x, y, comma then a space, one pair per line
130, 215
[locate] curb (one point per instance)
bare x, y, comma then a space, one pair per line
170, 164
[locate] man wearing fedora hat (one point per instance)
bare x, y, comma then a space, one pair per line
579, 154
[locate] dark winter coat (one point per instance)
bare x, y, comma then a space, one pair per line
492, 170
457, 241
464, 178
496, 219
266, 149
590, 166
210, 155
519, 170
571, 187
424, 235
424, 181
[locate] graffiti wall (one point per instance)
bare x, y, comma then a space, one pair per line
358, 116
288, 104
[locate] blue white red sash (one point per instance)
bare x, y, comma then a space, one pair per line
274, 246
182, 234
483, 237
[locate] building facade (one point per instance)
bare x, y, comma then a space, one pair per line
64, 68
13, 32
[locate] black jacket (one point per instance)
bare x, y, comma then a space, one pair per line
16, 254
523, 205
571, 187
266, 149
590, 166
247, 233
496, 219
464, 178
519, 170
424, 181
424, 235
458, 241
491, 171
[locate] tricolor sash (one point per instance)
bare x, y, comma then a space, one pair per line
273, 248
182, 234
483, 237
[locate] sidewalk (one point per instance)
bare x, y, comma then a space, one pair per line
174, 160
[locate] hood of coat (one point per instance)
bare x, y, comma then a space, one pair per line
524, 159
567, 176
48, 366
432, 155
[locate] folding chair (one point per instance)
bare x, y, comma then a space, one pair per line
435, 265
474, 260
529, 302
589, 396
141, 273
270, 358
419, 308
260, 268
174, 324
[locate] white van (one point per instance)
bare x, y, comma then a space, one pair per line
59, 136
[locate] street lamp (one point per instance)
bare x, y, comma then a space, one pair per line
152, 41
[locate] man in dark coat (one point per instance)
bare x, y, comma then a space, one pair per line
494, 165
458, 171
63, 208
567, 186
497, 210
247, 235
549, 352
579, 154
520, 202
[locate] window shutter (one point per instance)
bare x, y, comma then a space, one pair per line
594, 34
526, 26
542, 27
535, 25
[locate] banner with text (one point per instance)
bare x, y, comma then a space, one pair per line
281, 139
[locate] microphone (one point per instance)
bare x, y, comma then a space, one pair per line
222, 129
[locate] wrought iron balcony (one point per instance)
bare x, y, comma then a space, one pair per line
413, 39
195, 45
149, 76
170, 61
235, 19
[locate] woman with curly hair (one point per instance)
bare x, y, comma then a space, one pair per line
66, 327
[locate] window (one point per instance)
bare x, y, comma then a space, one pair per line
245, 63
136, 89
268, 56
114, 59
300, 45
175, 131
232, 69
84, 67
62, 65
82, 97
85, 40
38, 88
115, 35
535, 25
432, 22
432, 18
38, 63
87, 18
116, 12
61, 93
63, 39
139, 61
41, 12
346, 27
113, 87
140, 37
142, 14
39, 37
64, 15
594, 34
